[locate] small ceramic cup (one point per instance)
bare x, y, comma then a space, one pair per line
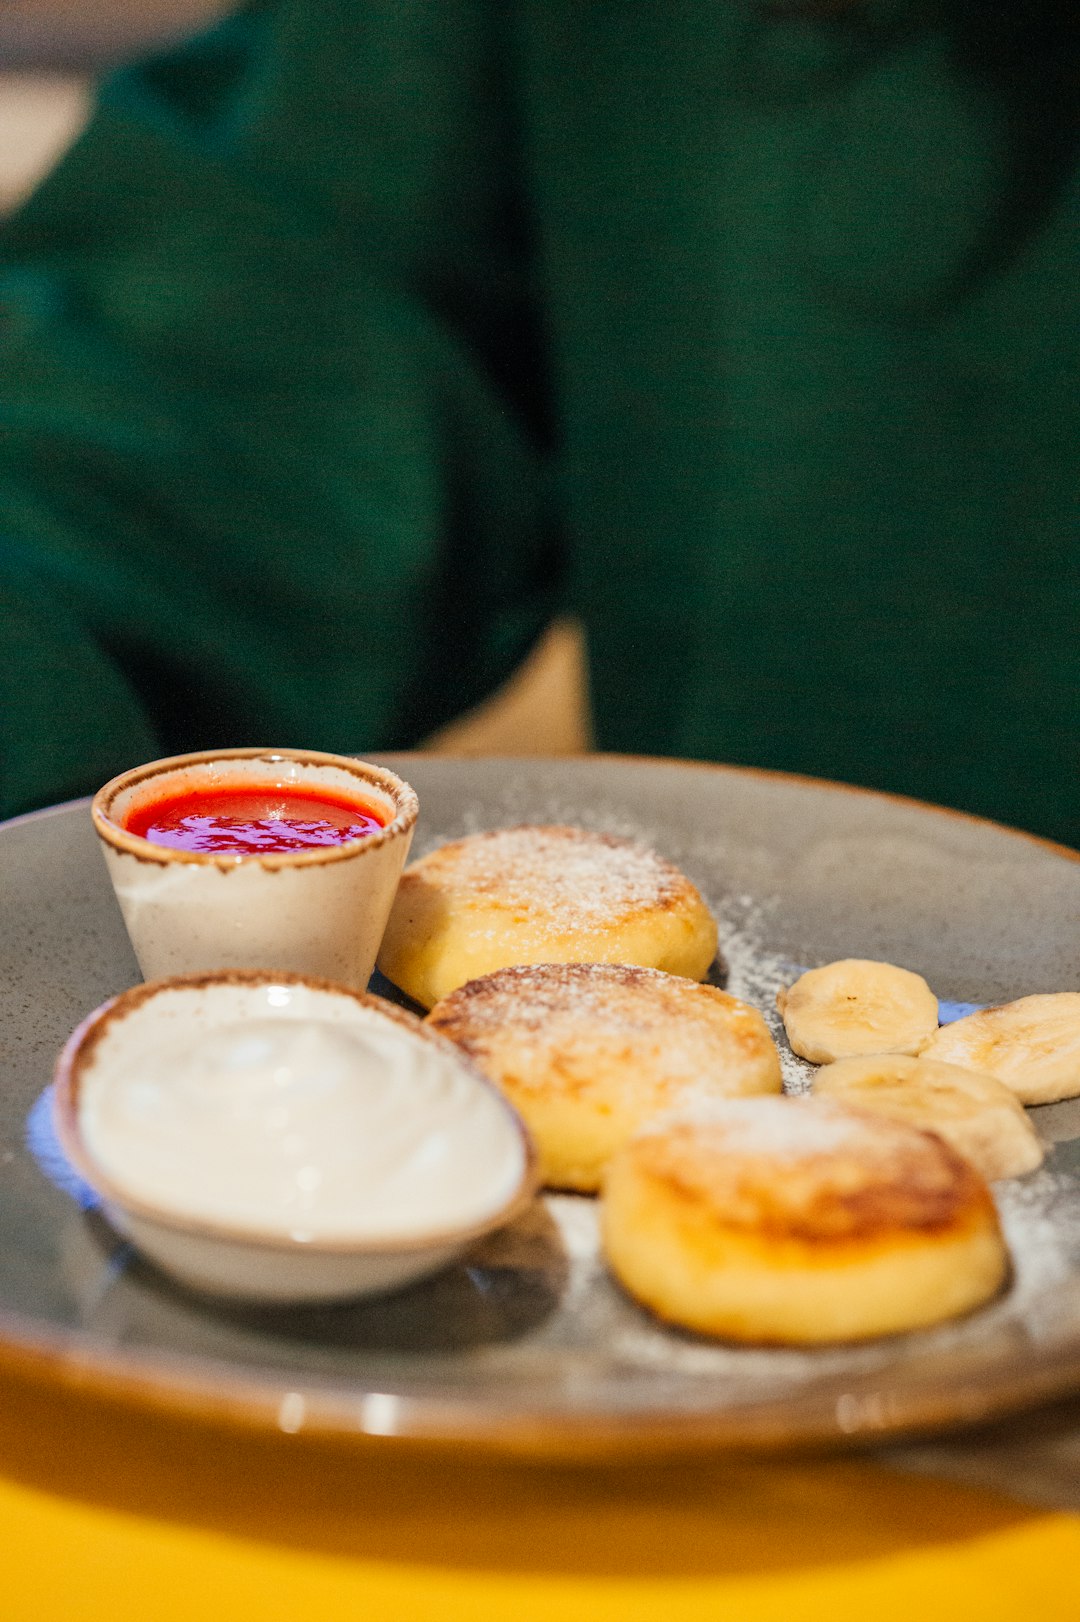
318, 911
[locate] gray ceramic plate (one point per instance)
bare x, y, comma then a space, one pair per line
528, 1347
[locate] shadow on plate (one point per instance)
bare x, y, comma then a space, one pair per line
501, 1290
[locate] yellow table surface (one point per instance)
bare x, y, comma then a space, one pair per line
112, 1513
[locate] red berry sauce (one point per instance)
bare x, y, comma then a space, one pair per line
244, 820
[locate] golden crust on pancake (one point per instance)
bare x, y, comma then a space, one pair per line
587, 1052
539, 894
974, 1112
797, 1221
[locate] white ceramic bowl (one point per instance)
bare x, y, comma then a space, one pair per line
319, 912
259, 1259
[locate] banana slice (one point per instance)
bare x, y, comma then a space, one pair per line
1032, 1045
976, 1114
857, 1006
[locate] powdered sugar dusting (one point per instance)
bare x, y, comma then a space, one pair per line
572, 879
613, 999
616, 997
788, 1128
755, 974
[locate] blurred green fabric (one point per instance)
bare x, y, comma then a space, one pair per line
357, 338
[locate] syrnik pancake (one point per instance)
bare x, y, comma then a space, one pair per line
541, 894
587, 1052
796, 1221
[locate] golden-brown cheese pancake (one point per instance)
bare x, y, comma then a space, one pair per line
976, 1113
587, 1052
541, 895
794, 1221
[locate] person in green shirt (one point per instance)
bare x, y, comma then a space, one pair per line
356, 338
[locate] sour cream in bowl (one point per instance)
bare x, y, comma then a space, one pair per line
280, 1138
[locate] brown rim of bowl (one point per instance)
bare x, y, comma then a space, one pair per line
79, 1048
144, 850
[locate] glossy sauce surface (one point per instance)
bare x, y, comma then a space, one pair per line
253, 820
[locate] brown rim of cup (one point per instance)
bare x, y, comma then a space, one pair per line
113, 833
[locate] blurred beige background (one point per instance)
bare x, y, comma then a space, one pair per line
51, 33
49, 51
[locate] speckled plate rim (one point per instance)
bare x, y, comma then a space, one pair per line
215, 1393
